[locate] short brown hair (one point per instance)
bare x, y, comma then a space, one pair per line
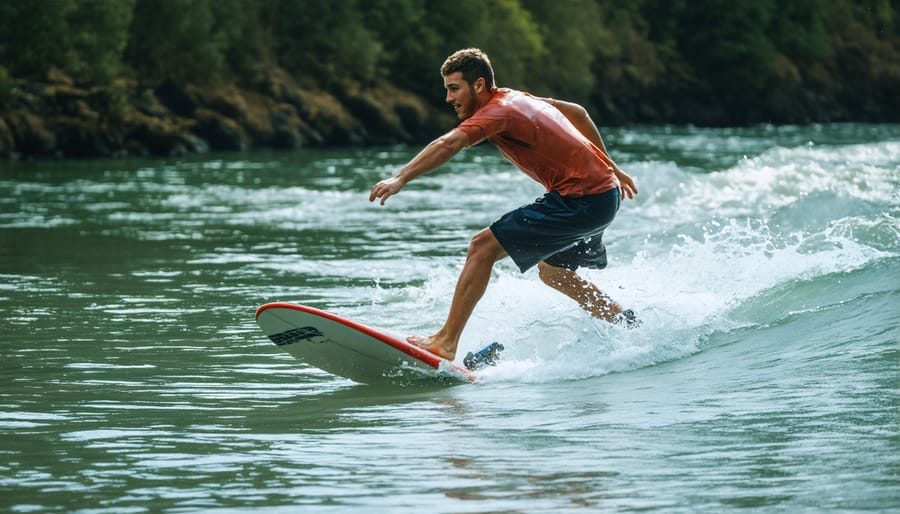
473, 63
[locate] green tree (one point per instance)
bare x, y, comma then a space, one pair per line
456, 25
410, 45
84, 39
700, 61
97, 35
245, 31
629, 66
727, 43
514, 42
175, 39
34, 36
864, 52
798, 30
569, 37
502, 28
325, 43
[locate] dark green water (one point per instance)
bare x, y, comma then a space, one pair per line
764, 262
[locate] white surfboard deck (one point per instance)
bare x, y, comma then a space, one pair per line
349, 349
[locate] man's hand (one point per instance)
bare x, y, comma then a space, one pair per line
386, 188
627, 183
430, 158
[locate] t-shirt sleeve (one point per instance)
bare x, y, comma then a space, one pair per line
484, 124
474, 132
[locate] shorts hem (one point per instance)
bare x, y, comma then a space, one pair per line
515, 257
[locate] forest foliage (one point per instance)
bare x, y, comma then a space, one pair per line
676, 61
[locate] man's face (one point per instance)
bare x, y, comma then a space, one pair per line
460, 95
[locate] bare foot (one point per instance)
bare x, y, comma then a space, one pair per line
433, 346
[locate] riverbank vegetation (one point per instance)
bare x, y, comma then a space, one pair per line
108, 77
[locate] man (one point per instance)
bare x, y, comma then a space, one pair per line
553, 142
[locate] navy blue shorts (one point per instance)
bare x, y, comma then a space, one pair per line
565, 232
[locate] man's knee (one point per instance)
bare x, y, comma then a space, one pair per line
552, 275
485, 246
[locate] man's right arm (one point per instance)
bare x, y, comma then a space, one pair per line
582, 121
579, 117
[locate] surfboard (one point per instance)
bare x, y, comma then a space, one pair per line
349, 349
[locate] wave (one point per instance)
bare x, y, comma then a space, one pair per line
711, 253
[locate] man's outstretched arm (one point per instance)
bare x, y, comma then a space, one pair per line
433, 156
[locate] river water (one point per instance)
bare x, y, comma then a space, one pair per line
764, 263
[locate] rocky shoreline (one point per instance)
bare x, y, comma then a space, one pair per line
59, 118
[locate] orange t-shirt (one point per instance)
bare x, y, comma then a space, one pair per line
533, 134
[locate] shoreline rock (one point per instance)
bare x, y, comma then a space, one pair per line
57, 118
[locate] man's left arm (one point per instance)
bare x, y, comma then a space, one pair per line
433, 156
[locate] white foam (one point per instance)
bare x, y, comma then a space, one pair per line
690, 249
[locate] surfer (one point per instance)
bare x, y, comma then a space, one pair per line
557, 144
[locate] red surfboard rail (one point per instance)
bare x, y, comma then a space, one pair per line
408, 348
